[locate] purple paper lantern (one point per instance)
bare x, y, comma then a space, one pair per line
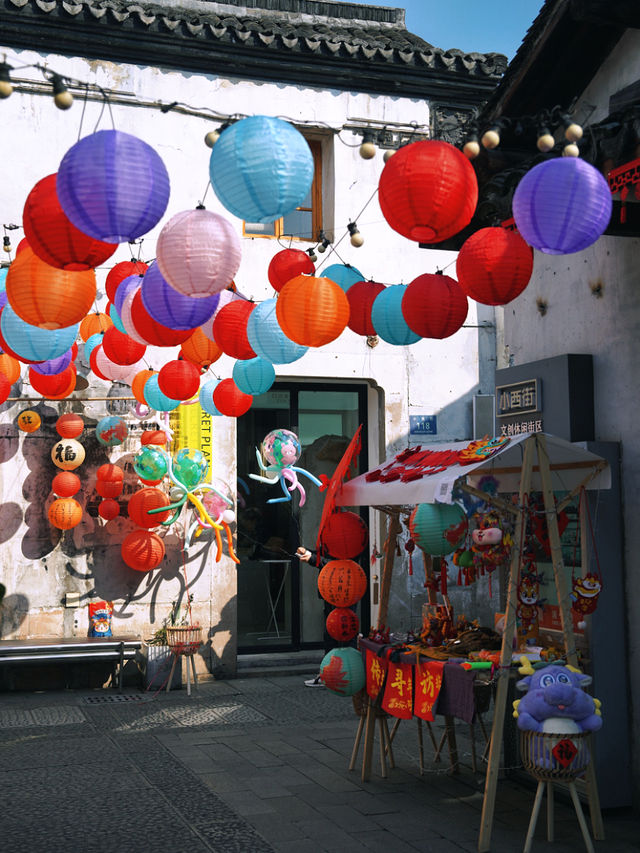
54, 365
172, 308
562, 206
113, 186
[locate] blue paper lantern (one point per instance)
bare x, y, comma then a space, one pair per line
33, 343
154, 397
261, 168
342, 671
387, 317
267, 338
254, 375
172, 308
53, 365
111, 431
91, 343
113, 186
343, 274
562, 206
116, 319
206, 397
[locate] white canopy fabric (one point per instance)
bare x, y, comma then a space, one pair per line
427, 473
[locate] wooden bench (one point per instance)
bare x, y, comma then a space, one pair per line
116, 650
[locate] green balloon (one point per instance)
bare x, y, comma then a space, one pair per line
190, 467
150, 463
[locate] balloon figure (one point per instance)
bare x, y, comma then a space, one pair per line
281, 449
220, 508
151, 464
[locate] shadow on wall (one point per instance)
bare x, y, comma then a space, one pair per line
13, 611
222, 663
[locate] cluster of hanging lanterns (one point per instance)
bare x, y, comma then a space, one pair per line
67, 454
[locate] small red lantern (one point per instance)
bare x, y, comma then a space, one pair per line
179, 379
199, 350
230, 400
494, 266
230, 329
428, 191
342, 624
151, 331
142, 550
342, 582
69, 426
121, 271
55, 384
312, 311
434, 306
344, 535
65, 513
108, 509
66, 484
120, 348
108, 488
361, 296
94, 324
10, 367
5, 387
287, 264
142, 501
110, 473
71, 387
154, 436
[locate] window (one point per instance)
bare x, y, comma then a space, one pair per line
303, 223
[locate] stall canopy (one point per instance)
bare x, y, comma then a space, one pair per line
428, 473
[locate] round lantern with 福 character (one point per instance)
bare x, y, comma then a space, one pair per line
68, 454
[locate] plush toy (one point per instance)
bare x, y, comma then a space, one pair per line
529, 601
555, 701
491, 542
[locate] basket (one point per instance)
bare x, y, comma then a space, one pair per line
184, 639
552, 757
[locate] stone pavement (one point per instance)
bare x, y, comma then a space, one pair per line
251, 765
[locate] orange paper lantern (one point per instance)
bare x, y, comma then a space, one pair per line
312, 311
142, 550
10, 367
94, 324
199, 350
142, 501
69, 426
29, 421
342, 583
65, 513
108, 509
138, 382
66, 484
154, 436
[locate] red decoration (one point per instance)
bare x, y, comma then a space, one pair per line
428, 191
342, 583
428, 682
312, 311
53, 238
287, 264
53, 385
143, 550
154, 436
375, 669
120, 348
121, 271
344, 470
230, 329
108, 509
564, 752
494, 266
109, 488
5, 387
398, 691
230, 400
342, 624
142, 501
69, 426
152, 332
179, 379
361, 296
66, 484
434, 306
65, 513
10, 367
110, 473
199, 350
94, 365
345, 535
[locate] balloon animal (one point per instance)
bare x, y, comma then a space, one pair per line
281, 449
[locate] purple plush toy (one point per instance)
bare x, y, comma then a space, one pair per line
555, 701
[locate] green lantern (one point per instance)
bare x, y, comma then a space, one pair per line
342, 671
438, 529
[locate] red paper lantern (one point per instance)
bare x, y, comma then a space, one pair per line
53, 238
179, 379
342, 624
94, 324
53, 385
142, 550
93, 364
342, 582
108, 509
434, 306
110, 472
200, 350
287, 264
109, 488
138, 382
120, 348
230, 329
69, 426
5, 387
344, 535
494, 266
142, 501
229, 400
361, 296
154, 436
10, 367
66, 484
428, 191
71, 387
121, 271
312, 311
152, 332
65, 513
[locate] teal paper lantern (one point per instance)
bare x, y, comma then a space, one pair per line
91, 343
206, 398
190, 467
154, 397
32, 342
112, 311
342, 671
261, 168
254, 375
438, 529
111, 431
150, 463
387, 318
343, 274
266, 337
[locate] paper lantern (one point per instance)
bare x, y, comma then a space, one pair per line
343, 274
225, 297
434, 306
154, 437
5, 387
142, 550
342, 583
108, 509
54, 385
172, 308
428, 191
342, 670
562, 206
230, 328
67, 454
229, 400
342, 624
112, 371
31, 342
254, 376
438, 529
91, 343
361, 296
110, 473
65, 513
69, 426
29, 421
206, 397
179, 379
66, 484
53, 238
127, 285
116, 320
71, 387
155, 399
10, 367
121, 349
46, 297
345, 535
53, 365
312, 311
142, 501
494, 266
111, 431
138, 383
93, 364
150, 330
108, 489
266, 337
113, 186
387, 317
198, 252
122, 270
261, 168
199, 350
125, 323
287, 264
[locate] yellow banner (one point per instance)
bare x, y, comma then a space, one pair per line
191, 427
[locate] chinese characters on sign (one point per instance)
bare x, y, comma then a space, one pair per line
518, 428
515, 400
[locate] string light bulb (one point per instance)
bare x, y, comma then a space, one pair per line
6, 243
572, 130
491, 137
367, 149
213, 136
571, 150
388, 154
471, 148
545, 140
312, 255
356, 237
62, 97
6, 87
324, 243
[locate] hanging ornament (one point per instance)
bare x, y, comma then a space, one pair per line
29, 421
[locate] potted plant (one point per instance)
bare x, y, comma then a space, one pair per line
158, 654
